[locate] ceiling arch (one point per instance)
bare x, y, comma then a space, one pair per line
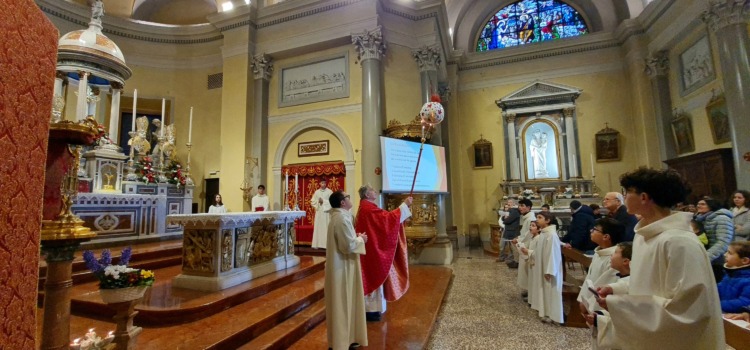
173, 11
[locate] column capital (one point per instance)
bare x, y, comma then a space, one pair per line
116, 85
657, 64
509, 117
369, 44
722, 13
568, 112
427, 57
61, 75
262, 66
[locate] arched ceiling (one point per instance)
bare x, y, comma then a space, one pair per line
179, 12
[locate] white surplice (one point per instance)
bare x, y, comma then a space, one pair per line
546, 296
320, 226
600, 274
534, 282
344, 294
260, 200
671, 300
525, 237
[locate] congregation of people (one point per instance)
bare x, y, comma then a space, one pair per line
662, 273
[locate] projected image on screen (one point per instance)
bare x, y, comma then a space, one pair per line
400, 160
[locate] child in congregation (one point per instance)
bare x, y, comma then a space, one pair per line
534, 286
734, 288
699, 231
620, 262
547, 272
606, 233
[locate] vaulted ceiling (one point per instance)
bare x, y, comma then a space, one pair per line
181, 12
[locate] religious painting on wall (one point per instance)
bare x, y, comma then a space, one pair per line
696, 66
317, 80
683, 133
607, 145
541, 151
718, 119
313, 148
482, 154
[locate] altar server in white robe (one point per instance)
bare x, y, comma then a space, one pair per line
671, 300
523, 240
535, 284
606, 233
260, 201
344, 294
321, 205
546, 272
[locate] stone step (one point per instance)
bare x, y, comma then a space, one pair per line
289, 331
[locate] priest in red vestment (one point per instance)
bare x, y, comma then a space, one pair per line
385, 267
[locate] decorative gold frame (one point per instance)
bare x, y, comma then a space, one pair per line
313, 148
607, 144
557, 150
718, 119
482, 154
682, 132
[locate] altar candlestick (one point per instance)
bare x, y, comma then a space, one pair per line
296, 183
591, 156
163, 124
135, 99
190, 127
286, 183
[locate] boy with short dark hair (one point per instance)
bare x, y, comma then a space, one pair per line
734, 288
606, 233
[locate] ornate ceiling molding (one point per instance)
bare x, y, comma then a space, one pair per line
539, 92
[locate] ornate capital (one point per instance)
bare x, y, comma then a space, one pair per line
369, 45
568, 112
115, 85
262, 66
509, 117
722, 13
427, 57
61, 75
657, 65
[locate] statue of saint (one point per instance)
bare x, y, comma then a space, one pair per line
538, 151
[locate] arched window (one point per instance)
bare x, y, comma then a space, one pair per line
530, 21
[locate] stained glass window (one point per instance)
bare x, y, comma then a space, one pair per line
530, 21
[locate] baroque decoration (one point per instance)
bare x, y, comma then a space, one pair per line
530, 21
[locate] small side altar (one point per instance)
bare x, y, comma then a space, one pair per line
223, 250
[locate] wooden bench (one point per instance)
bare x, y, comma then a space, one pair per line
736, 336
570, 293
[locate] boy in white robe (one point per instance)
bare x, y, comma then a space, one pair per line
606, 233
671, 300
260, 201
527, 216
547, 269
620, 262
535, 282
319, 202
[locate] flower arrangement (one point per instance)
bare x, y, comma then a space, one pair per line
91, 341
145, 170
117, 276
174, 174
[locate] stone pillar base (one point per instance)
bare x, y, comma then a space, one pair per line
436, 254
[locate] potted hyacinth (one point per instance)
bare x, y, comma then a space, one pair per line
118, 283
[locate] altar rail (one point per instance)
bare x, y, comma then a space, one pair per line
223, 250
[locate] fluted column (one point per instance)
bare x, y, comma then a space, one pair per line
657, 69
570, 142
114, 113
515, 170
728, 20
81, 105
262, 69
370, 48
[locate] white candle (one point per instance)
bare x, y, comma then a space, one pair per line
591, 156
286, 183
135, 99
190, 127
163, 124
296, 183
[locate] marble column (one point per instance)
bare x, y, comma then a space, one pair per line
657, 69
114, 113
570, 142
445, 94
515, 170
728, 20
370, 48
91, 101
58, 97
60, 77
81, 105
262, 69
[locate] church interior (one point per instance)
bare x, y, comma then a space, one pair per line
124, 119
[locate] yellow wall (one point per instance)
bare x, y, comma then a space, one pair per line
403, 92
336, 151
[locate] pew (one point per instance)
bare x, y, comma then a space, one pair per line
736, 336
570, 293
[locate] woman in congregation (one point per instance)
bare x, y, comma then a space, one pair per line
741, 199
717, 222
218, 206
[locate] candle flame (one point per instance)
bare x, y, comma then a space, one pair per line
76, 341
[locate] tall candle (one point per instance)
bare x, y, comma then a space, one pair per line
135, 99
163, 124
296, 183
591, 156
190, 127
286, 183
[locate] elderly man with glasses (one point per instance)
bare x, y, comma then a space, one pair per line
614, 202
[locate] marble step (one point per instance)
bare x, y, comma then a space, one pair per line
289, 331
166, 305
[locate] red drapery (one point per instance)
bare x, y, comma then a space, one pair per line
309, 175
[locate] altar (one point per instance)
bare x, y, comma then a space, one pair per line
223, 250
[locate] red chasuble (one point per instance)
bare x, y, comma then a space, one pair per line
386, 261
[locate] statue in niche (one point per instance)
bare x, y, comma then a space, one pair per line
538, 151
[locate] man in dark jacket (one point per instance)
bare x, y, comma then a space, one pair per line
613, 201
579, 233
512, 222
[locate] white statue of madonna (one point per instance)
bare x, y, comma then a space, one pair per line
538, 151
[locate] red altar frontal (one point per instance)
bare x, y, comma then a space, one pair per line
309, 175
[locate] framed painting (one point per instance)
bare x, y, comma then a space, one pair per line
696, 66
683, 134
607, 145
313, 148
482, 154
718, 120
318, 80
